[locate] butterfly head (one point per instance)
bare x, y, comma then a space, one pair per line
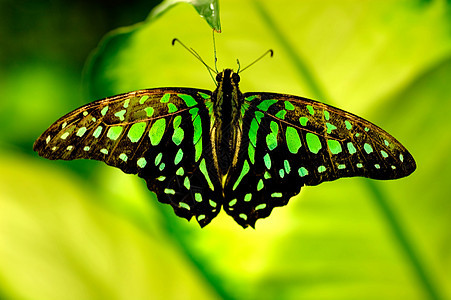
228, 77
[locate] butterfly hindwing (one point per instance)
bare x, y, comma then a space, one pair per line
159, 134
288, 142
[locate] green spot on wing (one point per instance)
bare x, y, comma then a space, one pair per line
368, 148
348, 125
289, 106
184, 205
156, 132
187, 183
330, 127
250, 98
313, 142
351, 148
198, 197
243, 216
334, 146
189, 100
302, 172
251, 153
244, 171
178, 135
267, 175
267, 160
158, 158
104, 110
172, 108
281, 114
303, 121
169, 191
178, 157
310, 109
197, 136
81, 131
120, 114
326, 115
255, 123
141, 162
260, 206
136, 131
143, 99
114, 132
260, 185
177, 121
149, 111
203, 169
293, 140
165, 98
180, 171
271, 138
281, 173
126, 103
287, 167
203, 95
265, 104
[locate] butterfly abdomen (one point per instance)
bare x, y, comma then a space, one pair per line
227, 107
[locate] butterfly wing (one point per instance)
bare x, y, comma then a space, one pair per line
159, 134
288, 142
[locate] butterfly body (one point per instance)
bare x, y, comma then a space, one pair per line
247, 153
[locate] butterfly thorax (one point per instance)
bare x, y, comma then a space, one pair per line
225, 131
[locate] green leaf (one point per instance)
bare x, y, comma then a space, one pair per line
56, 242
208, 9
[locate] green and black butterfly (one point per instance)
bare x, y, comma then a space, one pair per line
248, 153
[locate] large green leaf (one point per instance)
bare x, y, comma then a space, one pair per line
350, 239
57, 243
362, 57
208, 9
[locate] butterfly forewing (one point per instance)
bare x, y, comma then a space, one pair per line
289, 142
160, 134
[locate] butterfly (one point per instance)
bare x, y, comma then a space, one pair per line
201, 151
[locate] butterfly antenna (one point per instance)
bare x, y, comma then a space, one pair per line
196, 55
270, 52
239, 65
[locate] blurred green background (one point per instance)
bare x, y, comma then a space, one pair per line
82, 230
